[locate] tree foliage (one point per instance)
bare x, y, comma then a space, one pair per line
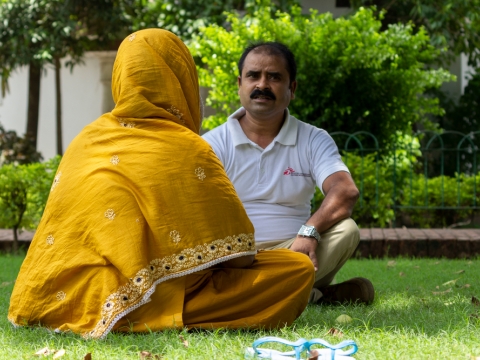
450, 23
186, 17
41, 32
351, 75
35, 31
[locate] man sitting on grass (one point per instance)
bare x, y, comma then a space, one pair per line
275, 161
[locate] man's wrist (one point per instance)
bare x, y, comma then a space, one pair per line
309, 231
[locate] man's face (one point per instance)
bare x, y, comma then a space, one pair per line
264, 85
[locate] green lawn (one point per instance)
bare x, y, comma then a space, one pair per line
423, 310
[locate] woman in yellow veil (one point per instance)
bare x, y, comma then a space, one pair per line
142, 229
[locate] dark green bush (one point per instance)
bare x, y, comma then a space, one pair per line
24, 191
186, 17
15, 149
351, 75
461, 116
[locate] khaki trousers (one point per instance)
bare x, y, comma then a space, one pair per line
336, 246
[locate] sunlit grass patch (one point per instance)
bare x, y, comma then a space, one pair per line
423, 310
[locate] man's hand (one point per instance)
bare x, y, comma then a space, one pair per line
306, 246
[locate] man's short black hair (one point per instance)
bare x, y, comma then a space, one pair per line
272, 48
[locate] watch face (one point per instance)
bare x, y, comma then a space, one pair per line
307, 231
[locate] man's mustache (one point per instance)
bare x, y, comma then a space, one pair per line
267, 93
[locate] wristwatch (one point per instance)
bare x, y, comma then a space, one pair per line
309, 231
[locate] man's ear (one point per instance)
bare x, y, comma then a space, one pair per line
239, 81
293, 87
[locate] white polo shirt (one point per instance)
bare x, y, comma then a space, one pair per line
276, 184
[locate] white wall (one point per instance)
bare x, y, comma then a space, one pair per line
85, 96
460, 68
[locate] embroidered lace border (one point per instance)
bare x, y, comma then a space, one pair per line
138, 290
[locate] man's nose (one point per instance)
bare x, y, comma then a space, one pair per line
263, 83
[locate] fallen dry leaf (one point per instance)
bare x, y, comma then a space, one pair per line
416, 267
401, 273
450, 283
44, 352
148, 355
185, 342
4, 284
459, 272
391, 263
88, 356
466, 286
58, 354
437, 287
313, 355
442, 292
145, 354
436, 263
334, 332
343, 319
475, 301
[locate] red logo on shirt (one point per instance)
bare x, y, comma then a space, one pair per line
289, 171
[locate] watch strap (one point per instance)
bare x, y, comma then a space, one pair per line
309, 231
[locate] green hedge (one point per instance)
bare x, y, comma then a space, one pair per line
443, 195
24, 191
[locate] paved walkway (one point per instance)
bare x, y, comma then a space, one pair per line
449, 243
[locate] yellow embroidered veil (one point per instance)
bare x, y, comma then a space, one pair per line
139, 198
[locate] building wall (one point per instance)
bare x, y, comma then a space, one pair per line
85, 96
463, 72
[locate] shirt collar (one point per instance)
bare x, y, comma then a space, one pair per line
286, 136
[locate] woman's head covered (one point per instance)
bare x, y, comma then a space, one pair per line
154, 77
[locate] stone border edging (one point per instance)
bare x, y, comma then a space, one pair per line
431, 243
374, 243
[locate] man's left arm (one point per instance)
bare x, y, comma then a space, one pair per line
341, 194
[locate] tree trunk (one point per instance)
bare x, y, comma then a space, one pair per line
15, 241
58, 94
34, 77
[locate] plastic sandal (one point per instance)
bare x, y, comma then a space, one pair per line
256, 352
330, 352
333, 352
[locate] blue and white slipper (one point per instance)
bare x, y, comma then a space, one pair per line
329, 352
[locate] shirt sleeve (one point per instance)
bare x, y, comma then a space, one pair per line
325, 158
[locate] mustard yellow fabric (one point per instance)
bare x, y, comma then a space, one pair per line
141, 212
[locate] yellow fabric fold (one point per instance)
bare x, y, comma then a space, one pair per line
139, 201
